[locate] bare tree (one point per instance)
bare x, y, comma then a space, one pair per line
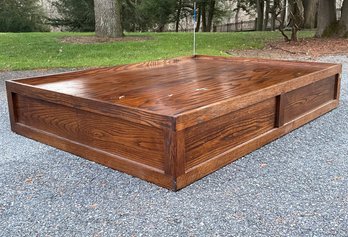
275, 12
108, 18
296, 15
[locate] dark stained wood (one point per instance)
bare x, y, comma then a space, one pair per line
113, 161
94, 106
12, 113
175, 154
179, 87
115, 136
172, 122
207, 140
236, 102
309, 97
280, 111
236, 152
337, 86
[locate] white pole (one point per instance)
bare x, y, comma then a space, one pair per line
194, 27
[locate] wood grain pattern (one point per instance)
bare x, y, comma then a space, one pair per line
174, 88
94, 106
175, 154
307, 98
110, 160
207, 140
235, 153
172, 122
130, 140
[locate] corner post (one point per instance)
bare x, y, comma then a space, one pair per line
174, 160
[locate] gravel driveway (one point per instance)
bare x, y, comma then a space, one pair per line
295, 186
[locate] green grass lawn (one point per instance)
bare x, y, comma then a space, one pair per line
20, 51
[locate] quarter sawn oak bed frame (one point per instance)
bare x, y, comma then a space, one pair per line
172, 122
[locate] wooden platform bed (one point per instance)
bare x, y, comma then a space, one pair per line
172, 122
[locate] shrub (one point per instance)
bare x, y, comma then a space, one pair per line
21, 16
75, 15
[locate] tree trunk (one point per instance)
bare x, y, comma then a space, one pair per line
259, 8
178, 15
204, 16
198, 23
108, 18
343, 24
274, 13
160, 28
282, 20
326, 16
310, 13
297, 17
268, 8
283, 14
236, 18
273, 22
211, 15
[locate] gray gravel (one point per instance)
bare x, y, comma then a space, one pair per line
295, 186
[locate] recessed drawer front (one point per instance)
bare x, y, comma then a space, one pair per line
305, 99
207, 140
133, 141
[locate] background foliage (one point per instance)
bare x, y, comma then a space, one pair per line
137, 15
75, 15
21, 16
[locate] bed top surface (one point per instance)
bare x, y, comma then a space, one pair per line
172, 87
